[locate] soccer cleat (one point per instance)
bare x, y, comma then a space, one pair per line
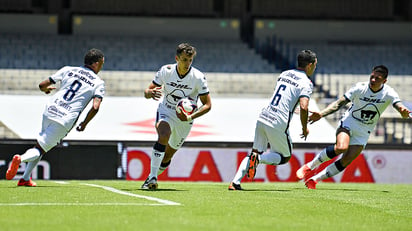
150, 184
311, 184
303, 172
253, 162
14, 166
28, 183
234, 186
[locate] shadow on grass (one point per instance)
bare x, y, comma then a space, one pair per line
352, 190
157, 190
263, 190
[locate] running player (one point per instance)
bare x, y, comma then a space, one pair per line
79, 85
369, 101
293, 87
177, 81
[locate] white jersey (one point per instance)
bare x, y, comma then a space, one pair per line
78, 86
291, 86
175, 87
368, 106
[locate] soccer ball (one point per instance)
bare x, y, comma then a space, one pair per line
186, 106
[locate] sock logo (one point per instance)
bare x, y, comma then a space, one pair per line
156, 154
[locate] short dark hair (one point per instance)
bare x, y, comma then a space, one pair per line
186, 48
92, 56
305, 57
381, 69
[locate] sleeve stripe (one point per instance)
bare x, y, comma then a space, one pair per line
156, 83
51, 80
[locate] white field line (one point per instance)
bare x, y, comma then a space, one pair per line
60, 182
78, 204
160, 202
164, 202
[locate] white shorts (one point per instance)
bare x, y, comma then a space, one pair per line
279, 140
359, 134
180, 129
51, 134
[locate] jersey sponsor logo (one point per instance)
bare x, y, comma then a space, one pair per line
82, 78
369, 100
288, 81
178, 85
54, 111
86, 73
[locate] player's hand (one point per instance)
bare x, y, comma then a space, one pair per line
156, 93
305, 133
315, 116
81, 127
49, 89
183, 116
405, 113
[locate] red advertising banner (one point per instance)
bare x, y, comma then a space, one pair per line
220, 165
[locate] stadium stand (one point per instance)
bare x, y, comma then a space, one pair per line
126, 53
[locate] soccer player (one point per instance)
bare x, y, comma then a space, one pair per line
293, 87
177, 81
79, 85
369, 101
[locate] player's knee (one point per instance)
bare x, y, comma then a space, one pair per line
284, 160
341, 149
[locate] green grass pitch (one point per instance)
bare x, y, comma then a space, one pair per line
121, 205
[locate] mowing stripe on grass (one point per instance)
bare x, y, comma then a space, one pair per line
165, 202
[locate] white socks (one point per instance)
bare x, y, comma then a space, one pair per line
29, 168
30, 155
319, 159
241, 172
329, 171
157, 158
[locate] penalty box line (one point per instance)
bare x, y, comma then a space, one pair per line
110, 189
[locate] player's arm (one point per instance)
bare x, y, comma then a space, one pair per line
404, 111
205, 108
304, 111
154, 91
90, 115
45, 86
331, 108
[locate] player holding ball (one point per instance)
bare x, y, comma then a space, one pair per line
175, 81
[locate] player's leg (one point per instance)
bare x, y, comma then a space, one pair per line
158, 152
280, 147
32, 157
260, 144
341, 146
180, 131
240, 173
339, 165
163, 167
52, 133
167, 159
30, 154
350, 147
